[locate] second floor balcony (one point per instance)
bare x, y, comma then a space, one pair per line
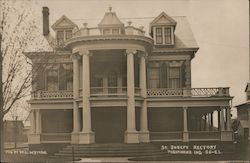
112, 92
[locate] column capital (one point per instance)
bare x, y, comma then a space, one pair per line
131, 51
75, 56
184, 107
84, 52
222, 107
142, 55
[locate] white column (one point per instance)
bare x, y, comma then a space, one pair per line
38, 130
228, 114
87, 136
144, 133
212, 121
209, 121
76, 116
222, 119
131, 135
185, 125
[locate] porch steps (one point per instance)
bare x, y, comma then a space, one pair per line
109, 150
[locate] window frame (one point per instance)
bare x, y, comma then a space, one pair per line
164, 35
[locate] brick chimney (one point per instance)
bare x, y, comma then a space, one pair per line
45, 21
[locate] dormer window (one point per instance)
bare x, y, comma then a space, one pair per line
60, 37
159, 36
163, 35
110, 24
168, 35
68, 34
63, 29
63, 35
162, 29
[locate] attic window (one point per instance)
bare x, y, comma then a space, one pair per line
159, 39
68, 34
163, 35
63, 35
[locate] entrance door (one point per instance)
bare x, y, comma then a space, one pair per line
109, 124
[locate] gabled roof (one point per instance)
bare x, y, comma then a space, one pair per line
163, 19
63, 22
110, 19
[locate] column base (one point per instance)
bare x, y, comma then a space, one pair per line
185, 137
144, 136
75, 138
34, 138
131, 137
86, 137
226, 136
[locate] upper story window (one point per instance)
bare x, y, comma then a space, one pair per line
158, 35
68, 34
162, 29
111, 31
63, 35
63, 28
168, 35
163, 36
52, 80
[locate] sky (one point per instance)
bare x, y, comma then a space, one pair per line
219, 26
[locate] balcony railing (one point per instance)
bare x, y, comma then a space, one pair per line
97, 32
59, 94
193, 92
122, 91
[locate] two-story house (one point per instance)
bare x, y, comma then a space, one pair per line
116, 83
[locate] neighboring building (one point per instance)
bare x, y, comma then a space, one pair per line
115, 83
14, 131
243, 112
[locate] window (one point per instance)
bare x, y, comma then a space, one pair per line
68, 34
106, 32
115, 31
112, 82
98, 81
174, 77
168, 38
52, 80
164, 76
159, 39
60, 37
154, 81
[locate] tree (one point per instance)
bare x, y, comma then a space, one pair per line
19, 33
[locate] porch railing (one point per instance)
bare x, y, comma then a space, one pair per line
193, 92
122, 91
59, 94
164, 136
55, 137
